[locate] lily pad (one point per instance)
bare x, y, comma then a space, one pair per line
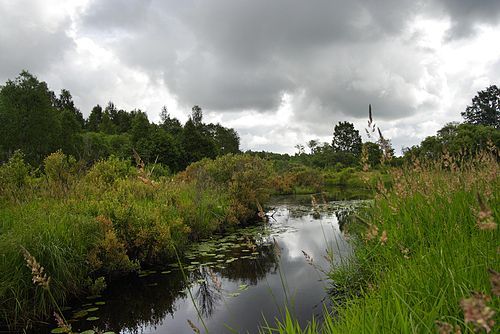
80, 314
93, 297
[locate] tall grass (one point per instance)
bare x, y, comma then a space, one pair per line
109, 220
427, 255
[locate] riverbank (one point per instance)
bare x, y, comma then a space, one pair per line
109, 220
426, 255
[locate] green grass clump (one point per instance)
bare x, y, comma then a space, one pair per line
109, 220
426, 254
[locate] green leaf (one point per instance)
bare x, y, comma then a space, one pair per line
88, 331
92, 318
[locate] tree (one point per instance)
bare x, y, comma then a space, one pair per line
169, 124
346, 139
374, 153
300, 149
459, 140
28, 120
485, 108
196, 144
65, 102
313, 144
95, 119
140, 126
196, 115
166, 148
226, 140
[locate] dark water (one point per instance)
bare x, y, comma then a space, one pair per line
237, 282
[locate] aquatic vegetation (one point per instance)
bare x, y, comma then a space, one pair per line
110, 220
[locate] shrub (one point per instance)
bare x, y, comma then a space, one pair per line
60, 171
243, 178
14, 177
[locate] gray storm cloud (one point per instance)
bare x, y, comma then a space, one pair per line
331, 58
234, 55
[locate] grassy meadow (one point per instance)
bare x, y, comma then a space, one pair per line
427, 255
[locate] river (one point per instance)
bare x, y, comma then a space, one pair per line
235, 282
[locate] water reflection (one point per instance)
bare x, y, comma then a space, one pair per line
209, 292
235, 280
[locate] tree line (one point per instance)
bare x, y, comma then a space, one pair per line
36, 121
479, 131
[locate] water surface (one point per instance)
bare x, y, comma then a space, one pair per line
234, 282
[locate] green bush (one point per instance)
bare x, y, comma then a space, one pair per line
243, 178
15, 178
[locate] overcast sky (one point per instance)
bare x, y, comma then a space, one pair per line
281, 72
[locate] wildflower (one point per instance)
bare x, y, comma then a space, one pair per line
37, 271
446, 328
62, 324
383, 237
495, 282
193, 327
477, 312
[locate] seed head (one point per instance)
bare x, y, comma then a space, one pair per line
477, 312
446, 328
495, 282
62, 324
383, 237
193, 327
39, 277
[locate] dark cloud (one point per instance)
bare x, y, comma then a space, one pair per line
329, 57
465, 15
244, 55
234, 55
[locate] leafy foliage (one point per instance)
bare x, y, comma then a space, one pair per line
346, 139
485, 108
37, 122
111, 219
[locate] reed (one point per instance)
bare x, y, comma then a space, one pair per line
426, 254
